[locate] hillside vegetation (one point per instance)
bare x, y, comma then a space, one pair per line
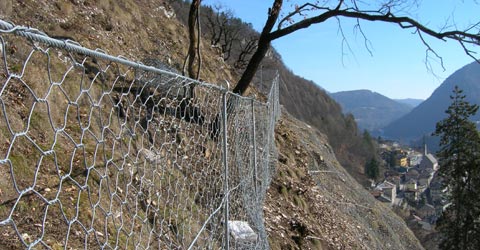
313, 203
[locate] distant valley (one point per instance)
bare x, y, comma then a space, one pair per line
409, 120
373, 111
410, 101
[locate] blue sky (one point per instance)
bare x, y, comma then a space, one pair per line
397, 68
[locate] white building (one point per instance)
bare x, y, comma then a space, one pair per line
428, 161
388, 191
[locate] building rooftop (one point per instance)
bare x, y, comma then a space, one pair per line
431, 158
385, 184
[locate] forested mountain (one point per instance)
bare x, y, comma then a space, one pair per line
370, 109
422, 119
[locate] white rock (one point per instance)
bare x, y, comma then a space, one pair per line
151, 156
26, 237
241, 231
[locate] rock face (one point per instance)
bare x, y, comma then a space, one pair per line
313, 203
422, 119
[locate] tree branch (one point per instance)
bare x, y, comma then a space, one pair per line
303, 24
469, 36
403, 22
463, 37
429, 49
366, 42
262, 48
344, 42
298, 11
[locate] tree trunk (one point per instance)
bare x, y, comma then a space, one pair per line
262, 49
192, 48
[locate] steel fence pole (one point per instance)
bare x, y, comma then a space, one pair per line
254, 145
225, 165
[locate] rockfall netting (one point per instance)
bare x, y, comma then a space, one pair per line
97, 151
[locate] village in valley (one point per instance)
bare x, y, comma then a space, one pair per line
411, 183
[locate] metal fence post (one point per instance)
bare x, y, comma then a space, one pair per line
254, 145
225, 165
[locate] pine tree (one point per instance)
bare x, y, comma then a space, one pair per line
368, 141
459, 166
371, 169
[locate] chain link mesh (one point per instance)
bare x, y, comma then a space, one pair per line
101, 152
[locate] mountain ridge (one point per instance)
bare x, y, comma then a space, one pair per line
422, 119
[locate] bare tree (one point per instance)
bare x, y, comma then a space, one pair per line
247, 47
217, 21
303, 16
187, 109
229, 34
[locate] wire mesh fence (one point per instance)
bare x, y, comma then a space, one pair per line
98, 151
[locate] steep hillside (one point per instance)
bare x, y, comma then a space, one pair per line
313, 203
304, 99
422, 119
370, 109
309, 103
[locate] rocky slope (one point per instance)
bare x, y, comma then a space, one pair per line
313, 203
